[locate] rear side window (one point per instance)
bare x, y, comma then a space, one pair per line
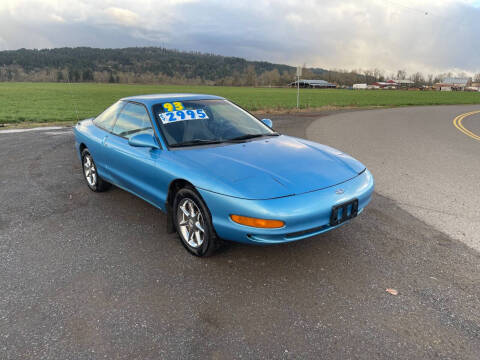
133, 119
106, 120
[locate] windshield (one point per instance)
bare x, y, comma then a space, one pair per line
196, 122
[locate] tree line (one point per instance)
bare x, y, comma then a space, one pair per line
166, 66
138, 65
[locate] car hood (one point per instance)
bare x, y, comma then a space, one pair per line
270, 167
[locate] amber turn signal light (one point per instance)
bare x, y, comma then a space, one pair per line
258, 223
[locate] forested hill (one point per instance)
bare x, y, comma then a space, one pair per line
149, 65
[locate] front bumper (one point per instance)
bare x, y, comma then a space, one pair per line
304, 215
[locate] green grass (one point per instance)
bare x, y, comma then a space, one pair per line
56, 102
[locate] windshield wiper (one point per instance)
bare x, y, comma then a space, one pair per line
206, 142
196, 142
251, 136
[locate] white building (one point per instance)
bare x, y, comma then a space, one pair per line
359, 86
449, 84
403, 83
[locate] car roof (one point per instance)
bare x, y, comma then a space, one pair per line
152, 99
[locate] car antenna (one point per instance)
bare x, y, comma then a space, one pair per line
71, 94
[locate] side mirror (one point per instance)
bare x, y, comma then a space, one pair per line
268, 122
143, 140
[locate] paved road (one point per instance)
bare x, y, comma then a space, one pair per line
472, 123
418, 158
87, 276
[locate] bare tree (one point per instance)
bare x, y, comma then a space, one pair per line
401, 74
378, 74
368, 75
430, 79
437, 79
418, 78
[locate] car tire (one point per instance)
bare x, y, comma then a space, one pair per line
193, 223
94, 181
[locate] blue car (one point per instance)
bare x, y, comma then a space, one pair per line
218, 172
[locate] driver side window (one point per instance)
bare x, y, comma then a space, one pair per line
133, 119
106, 119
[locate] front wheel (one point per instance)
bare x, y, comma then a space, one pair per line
193, 223
94, 181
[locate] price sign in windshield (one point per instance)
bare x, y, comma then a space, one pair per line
182, 115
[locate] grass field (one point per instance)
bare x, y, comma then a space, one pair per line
56, 102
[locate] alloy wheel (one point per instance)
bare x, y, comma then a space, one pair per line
89, 170
191, 223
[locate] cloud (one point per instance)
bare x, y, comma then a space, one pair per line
57, 18
427, 36
3, 44
122, 16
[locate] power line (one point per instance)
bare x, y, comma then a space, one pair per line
422, 11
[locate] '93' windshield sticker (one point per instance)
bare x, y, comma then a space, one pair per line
173, 106
182, 115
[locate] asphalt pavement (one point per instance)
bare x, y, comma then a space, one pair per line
419, 159
93, 276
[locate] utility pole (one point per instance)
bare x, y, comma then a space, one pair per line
299, 73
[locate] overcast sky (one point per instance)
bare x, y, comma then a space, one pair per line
428, 36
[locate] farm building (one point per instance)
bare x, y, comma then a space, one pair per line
392, 84
453, 84
399, 83
359, 86
317, 84
385, 84
472, 88
475, 86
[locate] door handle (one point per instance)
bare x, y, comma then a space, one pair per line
104, 140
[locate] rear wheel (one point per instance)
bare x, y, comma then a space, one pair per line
193, 223
94, 181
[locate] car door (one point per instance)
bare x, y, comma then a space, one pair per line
133, 168
104, 125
